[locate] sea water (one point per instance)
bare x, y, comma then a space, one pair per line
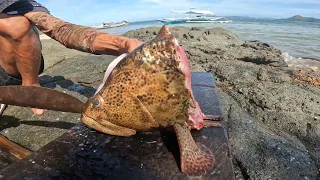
297, 40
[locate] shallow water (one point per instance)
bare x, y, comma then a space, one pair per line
297, 39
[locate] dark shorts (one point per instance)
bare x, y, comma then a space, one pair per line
6, 79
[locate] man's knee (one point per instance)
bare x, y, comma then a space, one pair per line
14, 27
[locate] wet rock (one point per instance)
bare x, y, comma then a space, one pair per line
261, 153
54, 53
217, 44
274, 127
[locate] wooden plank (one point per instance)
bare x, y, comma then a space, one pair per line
83, 153
13, 148
11, 152
205, 92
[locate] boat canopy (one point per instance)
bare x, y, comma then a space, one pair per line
194, 12
201, 16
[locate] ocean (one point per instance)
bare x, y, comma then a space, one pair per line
296, 39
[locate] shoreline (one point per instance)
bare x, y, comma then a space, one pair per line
303, 63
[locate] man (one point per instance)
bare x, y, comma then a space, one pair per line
21, 60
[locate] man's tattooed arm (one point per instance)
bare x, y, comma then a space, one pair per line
76, 36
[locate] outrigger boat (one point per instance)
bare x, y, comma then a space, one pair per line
195, 16
110, 25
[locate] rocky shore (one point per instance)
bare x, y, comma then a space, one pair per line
272, 108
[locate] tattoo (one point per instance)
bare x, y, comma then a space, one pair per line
70, 35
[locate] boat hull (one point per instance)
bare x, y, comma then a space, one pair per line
200, 17
207, 21
193, 21
110, 25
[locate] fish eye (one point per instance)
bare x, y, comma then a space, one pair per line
96, 102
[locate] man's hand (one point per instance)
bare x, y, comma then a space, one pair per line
127, 46
114, 45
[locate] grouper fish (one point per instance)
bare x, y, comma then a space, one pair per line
148, 89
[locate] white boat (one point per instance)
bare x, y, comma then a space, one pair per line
195, 16
110, 25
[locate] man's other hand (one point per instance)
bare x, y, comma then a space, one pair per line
128, 45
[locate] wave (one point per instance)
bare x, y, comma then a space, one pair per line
301, 62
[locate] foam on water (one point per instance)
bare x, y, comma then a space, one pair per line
301, 63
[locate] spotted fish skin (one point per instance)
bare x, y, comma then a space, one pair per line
150, 88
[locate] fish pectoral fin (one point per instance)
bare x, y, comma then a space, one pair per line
107, 127
196, 159
124, 108
142, 114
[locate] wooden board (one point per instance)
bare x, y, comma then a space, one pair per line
11, 152
83, 153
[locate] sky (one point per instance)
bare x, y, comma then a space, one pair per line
93, 12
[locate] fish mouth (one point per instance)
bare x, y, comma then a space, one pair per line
93, 123
106, 127
87, 120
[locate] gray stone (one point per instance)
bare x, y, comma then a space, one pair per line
259, 152
274, 129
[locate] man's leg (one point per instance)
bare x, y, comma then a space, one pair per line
4, 80
20, 50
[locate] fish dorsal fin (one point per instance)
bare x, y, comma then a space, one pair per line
164, 31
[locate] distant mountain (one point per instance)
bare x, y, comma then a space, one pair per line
301, 18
